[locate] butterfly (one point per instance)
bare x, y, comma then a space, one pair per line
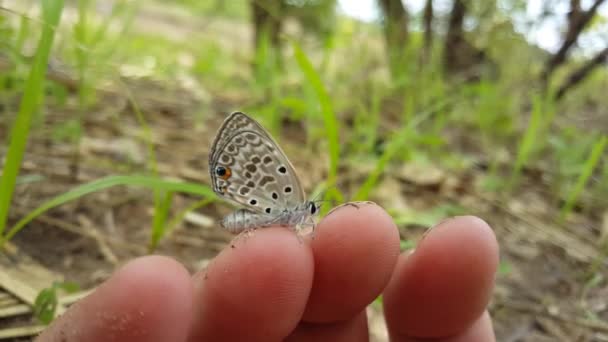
248, 168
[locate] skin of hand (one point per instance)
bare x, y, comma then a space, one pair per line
270, 286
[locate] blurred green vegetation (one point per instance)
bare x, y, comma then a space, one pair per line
332, 74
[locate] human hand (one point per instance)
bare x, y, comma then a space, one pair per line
272, 287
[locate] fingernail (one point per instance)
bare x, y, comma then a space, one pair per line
355, 204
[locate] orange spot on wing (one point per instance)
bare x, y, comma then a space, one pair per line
228, 174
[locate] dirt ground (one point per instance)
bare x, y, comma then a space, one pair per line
544, 290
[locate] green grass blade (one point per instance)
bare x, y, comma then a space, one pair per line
24, 25
370, 182
161, 212
590, 164
154, 183
327, 112
152, 166
32, 97
82, 52
179, 217
528, 142
394, 146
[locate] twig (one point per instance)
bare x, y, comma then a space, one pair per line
72, 228
21, 331
577, 22
105, 250
578, 75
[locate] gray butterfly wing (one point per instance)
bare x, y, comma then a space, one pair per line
257, 174
235, 122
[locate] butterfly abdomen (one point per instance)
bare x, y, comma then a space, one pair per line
244, 219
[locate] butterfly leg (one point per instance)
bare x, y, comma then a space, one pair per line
299, 236
300, 228
311, 222
250, 232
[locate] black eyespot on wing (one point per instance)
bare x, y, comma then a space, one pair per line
220, 171
268, 210
223, 172
253, 201
287, 189
275, 195
282, 169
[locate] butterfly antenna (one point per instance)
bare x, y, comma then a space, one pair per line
323, 192
319, 198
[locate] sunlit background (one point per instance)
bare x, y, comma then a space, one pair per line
545, 32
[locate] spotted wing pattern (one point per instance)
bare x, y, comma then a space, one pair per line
257, 174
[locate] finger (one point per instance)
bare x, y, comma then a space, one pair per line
149, 299
355, 250
480, 331
255, 291
354, 329
444, 286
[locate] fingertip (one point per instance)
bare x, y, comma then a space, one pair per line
256, 289
355, 250
449, 279
148, 299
